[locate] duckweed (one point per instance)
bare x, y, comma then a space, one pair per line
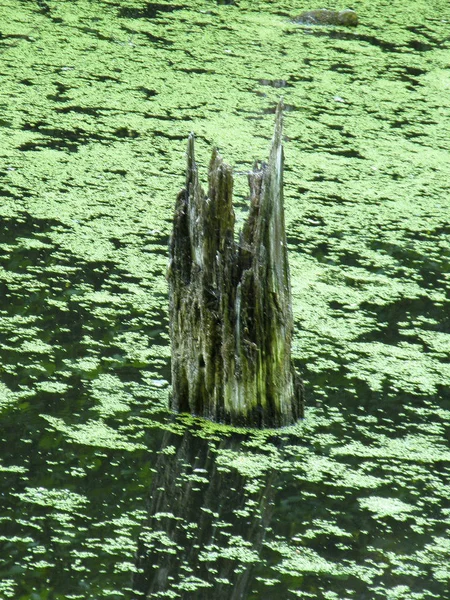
103, 490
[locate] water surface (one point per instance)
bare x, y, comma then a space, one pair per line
105, 494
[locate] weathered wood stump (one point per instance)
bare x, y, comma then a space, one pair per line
231, 321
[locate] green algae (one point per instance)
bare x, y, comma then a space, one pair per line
61, 500
94, 433
387, 507
96, 102
417, 448
246, 463
297, 561
237, 549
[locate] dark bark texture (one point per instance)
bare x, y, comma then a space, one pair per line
231, 319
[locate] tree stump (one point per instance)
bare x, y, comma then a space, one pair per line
231, 321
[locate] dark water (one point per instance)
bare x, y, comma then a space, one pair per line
104, 493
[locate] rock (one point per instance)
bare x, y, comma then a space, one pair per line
322, 16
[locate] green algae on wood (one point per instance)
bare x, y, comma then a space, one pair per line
231, 321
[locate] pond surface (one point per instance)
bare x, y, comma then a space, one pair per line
105, 493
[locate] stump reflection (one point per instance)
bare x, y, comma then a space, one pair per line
205, 527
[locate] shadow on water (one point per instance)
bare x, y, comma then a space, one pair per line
62, 317
75, 408
150, 10
203, 533
349, 36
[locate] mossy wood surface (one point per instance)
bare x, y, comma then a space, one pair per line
231, 319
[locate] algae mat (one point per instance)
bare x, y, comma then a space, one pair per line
105, 494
